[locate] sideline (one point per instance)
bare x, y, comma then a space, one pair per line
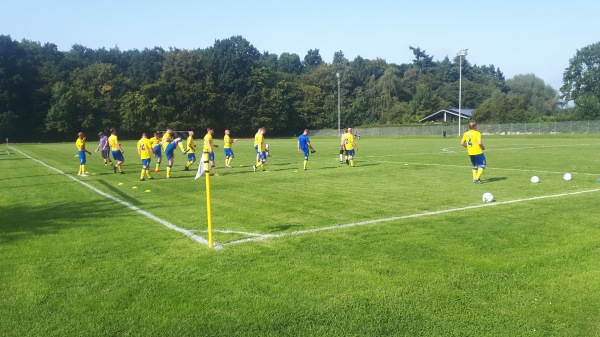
167, 224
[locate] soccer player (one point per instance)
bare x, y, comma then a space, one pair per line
259, 146
170, 152
472, 141
342, 146
227, 144
144, 150
208, 149
116, 150
305, 146
155, 143
349, 146
190, 150
81, 151
103, 147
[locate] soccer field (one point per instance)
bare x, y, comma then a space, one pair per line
402, 244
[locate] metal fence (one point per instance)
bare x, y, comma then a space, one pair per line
579, 127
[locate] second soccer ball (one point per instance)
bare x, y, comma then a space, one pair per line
535, 179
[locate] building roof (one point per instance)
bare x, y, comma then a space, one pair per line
464, 113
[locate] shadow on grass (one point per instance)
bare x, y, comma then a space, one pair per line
493, 179
123, 196
20, 221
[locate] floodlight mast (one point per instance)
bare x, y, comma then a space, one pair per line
338, 83
461, 53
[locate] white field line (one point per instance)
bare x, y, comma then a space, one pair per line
487, 168
451, 150
260, 237
167, 224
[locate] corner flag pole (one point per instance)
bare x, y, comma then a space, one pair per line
203, 168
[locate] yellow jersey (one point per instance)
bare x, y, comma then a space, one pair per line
227, 142
259, 140
191, 148
208, 143
80, 143
154, 141
166, 139
113, 142
144, 148
349, 141
472, 138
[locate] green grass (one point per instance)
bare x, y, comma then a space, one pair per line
77, 263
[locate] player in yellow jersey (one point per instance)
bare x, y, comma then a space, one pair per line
156, 143
117, 151
169, 145
208, 150
472, 141
81, 151
349, 146
190, 150
227, 144
260, 147
144, 149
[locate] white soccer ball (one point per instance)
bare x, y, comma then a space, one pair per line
487, 197
535, 179
567, 176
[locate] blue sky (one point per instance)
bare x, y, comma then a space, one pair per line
520, 37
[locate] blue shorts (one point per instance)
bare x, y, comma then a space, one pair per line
81, 155
262, 156
306, 152
118, 156
169, 150
211, 156
145, 162
228, 152
191, 157
156, 151
478, 160
256, 149
350, 153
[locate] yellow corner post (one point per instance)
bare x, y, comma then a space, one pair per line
208, 207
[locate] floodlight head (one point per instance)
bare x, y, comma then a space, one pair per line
337, 75
462, 52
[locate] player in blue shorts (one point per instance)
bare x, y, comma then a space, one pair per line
156, 143
169, 152
305, 146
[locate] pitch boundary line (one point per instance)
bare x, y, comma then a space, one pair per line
134, 208
487, 168
452, 150
261, 237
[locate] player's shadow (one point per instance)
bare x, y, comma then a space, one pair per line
282, 228
494, 179
129, 199
21, 220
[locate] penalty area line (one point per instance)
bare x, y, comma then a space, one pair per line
402, 217
134, 208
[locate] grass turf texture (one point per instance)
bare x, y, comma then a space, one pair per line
76, 263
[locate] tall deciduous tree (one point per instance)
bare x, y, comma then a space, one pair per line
581, 81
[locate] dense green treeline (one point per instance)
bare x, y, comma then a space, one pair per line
49, 94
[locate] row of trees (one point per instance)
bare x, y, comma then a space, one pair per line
49, 94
